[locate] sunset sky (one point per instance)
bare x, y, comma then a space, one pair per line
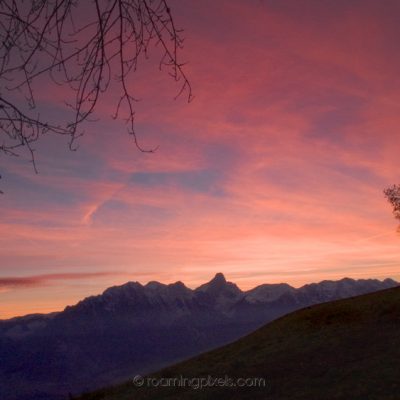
273, 173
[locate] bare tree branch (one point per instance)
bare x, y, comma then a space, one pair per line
81, 45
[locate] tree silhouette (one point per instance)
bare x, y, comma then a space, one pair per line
85, 46
393, 196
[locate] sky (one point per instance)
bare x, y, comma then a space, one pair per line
273, 173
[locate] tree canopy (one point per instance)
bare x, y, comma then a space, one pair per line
392, 194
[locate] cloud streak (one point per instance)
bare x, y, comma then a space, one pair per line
17, 282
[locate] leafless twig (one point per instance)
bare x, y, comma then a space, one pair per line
81, 45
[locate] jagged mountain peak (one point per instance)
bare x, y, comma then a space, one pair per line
220, 292
131, 285
268, 292
389, 281
154, 285
219, 277
178, 283
216, 284
173, 289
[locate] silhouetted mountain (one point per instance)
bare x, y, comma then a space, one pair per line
136, 328
341, 350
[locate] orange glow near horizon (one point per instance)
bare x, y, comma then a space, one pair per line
273, 173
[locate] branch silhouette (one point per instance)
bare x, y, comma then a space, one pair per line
84, 46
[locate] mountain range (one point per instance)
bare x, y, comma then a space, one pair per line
135, 329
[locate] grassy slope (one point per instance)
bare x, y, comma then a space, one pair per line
347, 349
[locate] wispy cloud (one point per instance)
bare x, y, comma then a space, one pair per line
16, 282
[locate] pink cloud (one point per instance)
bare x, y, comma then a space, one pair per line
40, 280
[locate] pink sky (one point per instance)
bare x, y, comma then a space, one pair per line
274, 173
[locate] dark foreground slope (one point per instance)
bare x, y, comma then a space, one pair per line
347, 349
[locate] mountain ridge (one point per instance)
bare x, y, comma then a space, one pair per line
218, 279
